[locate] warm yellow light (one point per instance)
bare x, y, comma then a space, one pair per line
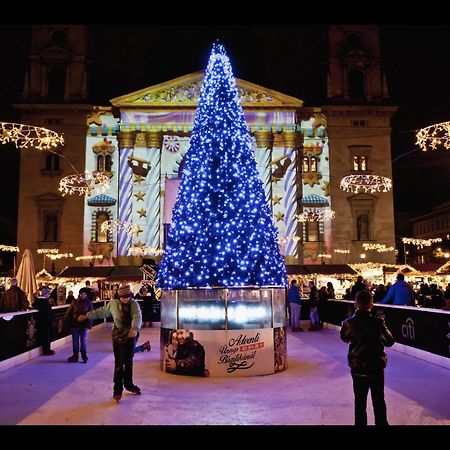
24, 136
362, 255
365, 183
434, 136
88, 184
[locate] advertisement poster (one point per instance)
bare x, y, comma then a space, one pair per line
220, 353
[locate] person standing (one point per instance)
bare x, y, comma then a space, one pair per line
367, 336
14, 299
79, 329
400, 293
127, 320
293, 297
44, 321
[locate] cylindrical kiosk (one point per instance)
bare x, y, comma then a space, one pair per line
223, 332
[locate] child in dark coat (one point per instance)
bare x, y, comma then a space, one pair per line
78, 307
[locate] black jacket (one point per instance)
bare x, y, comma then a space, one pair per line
367, 336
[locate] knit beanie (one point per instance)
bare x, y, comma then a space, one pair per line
124, 291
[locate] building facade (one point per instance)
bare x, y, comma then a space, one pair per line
139, 142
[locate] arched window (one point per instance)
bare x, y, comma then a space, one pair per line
305, 164
59, 37
360, 163
313, 164
101, 236
52, 162
356, 84
100, 163
56, 81
363, 163
108, 163
353, 41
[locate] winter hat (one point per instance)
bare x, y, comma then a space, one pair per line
124, 291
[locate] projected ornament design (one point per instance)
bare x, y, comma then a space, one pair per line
118, 225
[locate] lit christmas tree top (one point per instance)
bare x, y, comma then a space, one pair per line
222, 232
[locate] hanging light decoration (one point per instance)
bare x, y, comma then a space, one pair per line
315, 215
420, 243
60, 256
9, 248
434, 136
88, 184
115, 225
88, 257
144, 251
342, 250
24, 136
381, 248
366, 183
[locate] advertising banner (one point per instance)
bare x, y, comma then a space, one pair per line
223, 353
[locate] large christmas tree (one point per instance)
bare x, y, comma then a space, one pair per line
222, 232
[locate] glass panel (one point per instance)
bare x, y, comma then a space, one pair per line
279, 307
363, 163
201, 309
249, 308
169, 309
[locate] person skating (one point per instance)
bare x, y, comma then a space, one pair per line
127, 319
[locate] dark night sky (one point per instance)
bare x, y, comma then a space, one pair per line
287, 58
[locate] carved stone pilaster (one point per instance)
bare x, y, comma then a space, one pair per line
154, 139
126, 139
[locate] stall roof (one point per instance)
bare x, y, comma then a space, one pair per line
86, 272
329, 269
130, 273
426, 267
319, 269
296, 269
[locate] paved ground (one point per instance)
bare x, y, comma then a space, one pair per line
315, 390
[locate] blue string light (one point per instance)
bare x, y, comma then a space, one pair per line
222, 233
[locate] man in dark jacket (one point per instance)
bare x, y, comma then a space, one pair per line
367, 335
190, 357
14, 299
44, 321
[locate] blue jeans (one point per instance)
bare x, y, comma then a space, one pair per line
79, 337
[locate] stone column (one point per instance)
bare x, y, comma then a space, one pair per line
292, 141
154, 140
263, 152
126, 141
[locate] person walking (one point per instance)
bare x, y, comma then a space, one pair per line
14, 299
127, 320
82, 305
367, 335
293, 297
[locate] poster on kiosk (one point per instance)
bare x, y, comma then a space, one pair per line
223, 353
